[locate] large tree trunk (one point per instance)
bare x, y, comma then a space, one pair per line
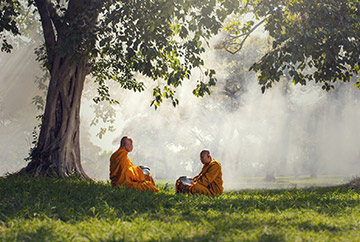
57, 153
68, 41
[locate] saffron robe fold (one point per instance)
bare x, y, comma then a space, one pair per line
124, 173
209, 181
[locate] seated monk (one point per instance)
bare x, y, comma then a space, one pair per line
124, 173
208, 182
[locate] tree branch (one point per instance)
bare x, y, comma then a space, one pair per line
48, 29
55, 17
246, 4
247, 34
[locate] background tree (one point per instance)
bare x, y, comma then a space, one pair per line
311, 40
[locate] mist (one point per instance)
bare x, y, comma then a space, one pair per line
288, 131
18, 72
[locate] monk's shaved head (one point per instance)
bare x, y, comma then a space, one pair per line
123, 140
204, 152
126, 143
205, 157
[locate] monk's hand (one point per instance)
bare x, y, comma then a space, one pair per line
186, 189
180, 187
177, 186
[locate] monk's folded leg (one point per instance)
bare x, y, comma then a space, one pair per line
146, 186
199, 189
181, 187
149, 178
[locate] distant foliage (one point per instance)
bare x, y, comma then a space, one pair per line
311, 40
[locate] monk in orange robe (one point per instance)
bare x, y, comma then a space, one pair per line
124, 173
209, 181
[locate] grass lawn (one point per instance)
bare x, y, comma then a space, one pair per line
74, 210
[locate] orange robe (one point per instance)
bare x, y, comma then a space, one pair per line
124, 173
209, 181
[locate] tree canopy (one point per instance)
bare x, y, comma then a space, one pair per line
311, 40
162, 40
9, 11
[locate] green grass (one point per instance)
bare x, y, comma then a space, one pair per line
74, 210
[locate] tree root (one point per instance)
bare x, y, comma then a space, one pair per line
37, 169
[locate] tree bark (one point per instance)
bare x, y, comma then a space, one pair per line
57, 153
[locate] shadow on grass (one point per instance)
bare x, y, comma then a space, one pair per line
324, 200
42, 233
76, 200
308, 226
